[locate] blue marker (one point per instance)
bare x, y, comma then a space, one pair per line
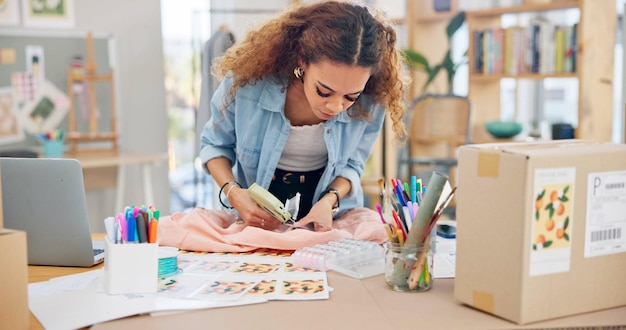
130, 222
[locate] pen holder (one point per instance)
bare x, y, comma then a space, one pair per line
52, 148
130, 268
417, 267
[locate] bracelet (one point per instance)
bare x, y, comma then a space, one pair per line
334, 191
222, 192
231, 188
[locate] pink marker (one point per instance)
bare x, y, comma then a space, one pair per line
380, 212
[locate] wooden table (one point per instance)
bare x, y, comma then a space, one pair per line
99, 169
354, 304
359, 304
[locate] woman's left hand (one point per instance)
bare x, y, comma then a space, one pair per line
320, 215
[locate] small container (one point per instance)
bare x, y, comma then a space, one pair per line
168, 261
53, 148
352, 257
130, 268
409, 267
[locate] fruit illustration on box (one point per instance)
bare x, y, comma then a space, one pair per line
552, 211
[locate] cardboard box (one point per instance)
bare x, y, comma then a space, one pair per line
541, 228
14, 312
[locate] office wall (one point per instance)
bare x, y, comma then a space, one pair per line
136, 27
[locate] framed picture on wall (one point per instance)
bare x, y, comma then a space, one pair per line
46, 111
10, 126
48, 13
9, 12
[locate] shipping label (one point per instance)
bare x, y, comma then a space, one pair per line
606, 214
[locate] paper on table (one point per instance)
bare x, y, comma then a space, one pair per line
90, 305
445, 258
64, 283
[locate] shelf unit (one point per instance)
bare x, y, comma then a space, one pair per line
594, 66
426, 32
594, 62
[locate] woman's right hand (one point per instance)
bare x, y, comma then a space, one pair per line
249, 211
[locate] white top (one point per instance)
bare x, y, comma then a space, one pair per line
305, 149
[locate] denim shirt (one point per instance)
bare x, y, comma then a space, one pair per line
253, 130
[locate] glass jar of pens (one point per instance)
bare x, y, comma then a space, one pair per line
409, 220
416, 257
52, 143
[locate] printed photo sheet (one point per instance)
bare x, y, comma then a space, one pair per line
267, 274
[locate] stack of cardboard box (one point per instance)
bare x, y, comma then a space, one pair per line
14, 311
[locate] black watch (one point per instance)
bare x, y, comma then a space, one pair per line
334, 191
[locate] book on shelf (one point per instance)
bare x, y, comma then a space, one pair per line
542, 47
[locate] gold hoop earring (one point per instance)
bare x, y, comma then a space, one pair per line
298, 72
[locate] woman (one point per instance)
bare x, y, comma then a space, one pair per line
300, 106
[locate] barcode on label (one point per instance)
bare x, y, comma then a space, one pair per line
615, 185
607, 234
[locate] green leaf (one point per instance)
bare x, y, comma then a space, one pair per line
447, 61
566, 223
547, 244
534, 247
448, 65
450, 69
455, 24
417, 60
566, 236
551, 212
431, 76
566, 190
543, 192
564, 199
537, 215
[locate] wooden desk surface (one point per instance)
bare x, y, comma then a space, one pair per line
106, 159
354, 304
359, 304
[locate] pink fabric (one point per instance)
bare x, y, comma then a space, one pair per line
217, 231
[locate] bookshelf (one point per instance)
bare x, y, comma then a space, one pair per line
594, 61
425, 29
595, 40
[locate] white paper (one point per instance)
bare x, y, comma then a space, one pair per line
61, 303
77, 301
64, 283
445, 258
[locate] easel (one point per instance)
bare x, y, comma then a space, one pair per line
89, 78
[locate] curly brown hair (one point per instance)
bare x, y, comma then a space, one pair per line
340, 32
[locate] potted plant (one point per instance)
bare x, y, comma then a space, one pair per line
416, 60
431, 148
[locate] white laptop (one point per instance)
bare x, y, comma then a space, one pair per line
45, 197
